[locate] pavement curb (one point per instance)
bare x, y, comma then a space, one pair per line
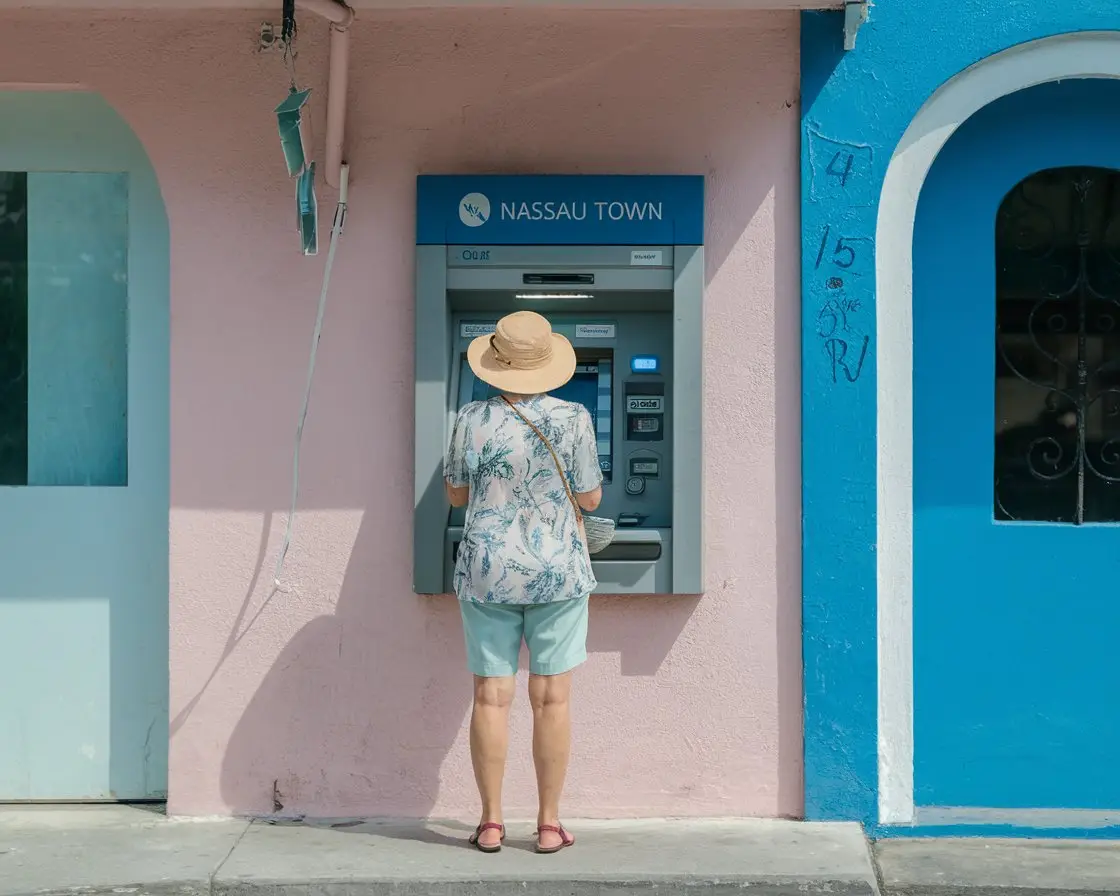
549, 886
545, 885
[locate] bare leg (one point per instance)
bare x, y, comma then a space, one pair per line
489, 744
550, 697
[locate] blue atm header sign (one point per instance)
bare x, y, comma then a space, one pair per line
560, 210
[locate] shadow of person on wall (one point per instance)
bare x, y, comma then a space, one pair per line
342, 726
641, 650
361, 708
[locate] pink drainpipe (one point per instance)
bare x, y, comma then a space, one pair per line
341, 18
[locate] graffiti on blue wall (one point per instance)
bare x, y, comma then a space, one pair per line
855, 107
840, 179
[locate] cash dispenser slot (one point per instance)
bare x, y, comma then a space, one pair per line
633, 545
558, 279
629, 546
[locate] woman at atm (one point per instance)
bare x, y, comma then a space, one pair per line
525, 464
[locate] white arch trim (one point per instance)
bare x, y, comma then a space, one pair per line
1086, 54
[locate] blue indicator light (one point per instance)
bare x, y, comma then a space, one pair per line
644, 364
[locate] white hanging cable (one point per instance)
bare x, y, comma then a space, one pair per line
336, 233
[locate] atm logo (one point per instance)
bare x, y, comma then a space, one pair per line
474, 210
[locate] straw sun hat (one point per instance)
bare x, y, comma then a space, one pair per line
523, 356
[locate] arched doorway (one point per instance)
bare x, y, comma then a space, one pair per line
1015, 292
84, 483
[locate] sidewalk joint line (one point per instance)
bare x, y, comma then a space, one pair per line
236, 843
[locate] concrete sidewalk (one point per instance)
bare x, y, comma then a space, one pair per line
129, 851
90, 851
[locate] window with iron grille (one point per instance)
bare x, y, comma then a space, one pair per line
1057, 384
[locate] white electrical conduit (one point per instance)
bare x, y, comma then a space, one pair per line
337, 175
336, 233
341, 18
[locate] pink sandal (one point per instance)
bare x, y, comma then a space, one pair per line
566, 839
489, 826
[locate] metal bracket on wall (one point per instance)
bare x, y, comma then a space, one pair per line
855, 14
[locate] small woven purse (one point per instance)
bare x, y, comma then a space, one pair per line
598, 531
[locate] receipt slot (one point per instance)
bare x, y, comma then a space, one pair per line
617, 265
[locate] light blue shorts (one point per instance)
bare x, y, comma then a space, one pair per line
556, 634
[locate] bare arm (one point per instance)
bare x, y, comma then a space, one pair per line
458, 495
590, 501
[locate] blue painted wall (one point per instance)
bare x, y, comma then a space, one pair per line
855, 107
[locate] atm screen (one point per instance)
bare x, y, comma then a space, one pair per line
591, 386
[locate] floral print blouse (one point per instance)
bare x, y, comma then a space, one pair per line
521, 543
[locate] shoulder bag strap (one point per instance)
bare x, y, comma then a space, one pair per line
555, 458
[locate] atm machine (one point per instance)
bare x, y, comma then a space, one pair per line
617, 265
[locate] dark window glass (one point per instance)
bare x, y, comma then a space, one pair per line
13, 329
1057, 401
63, 329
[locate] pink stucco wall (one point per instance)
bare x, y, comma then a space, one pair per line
345, 688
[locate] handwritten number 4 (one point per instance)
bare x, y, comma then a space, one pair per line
843, 254
841, 167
